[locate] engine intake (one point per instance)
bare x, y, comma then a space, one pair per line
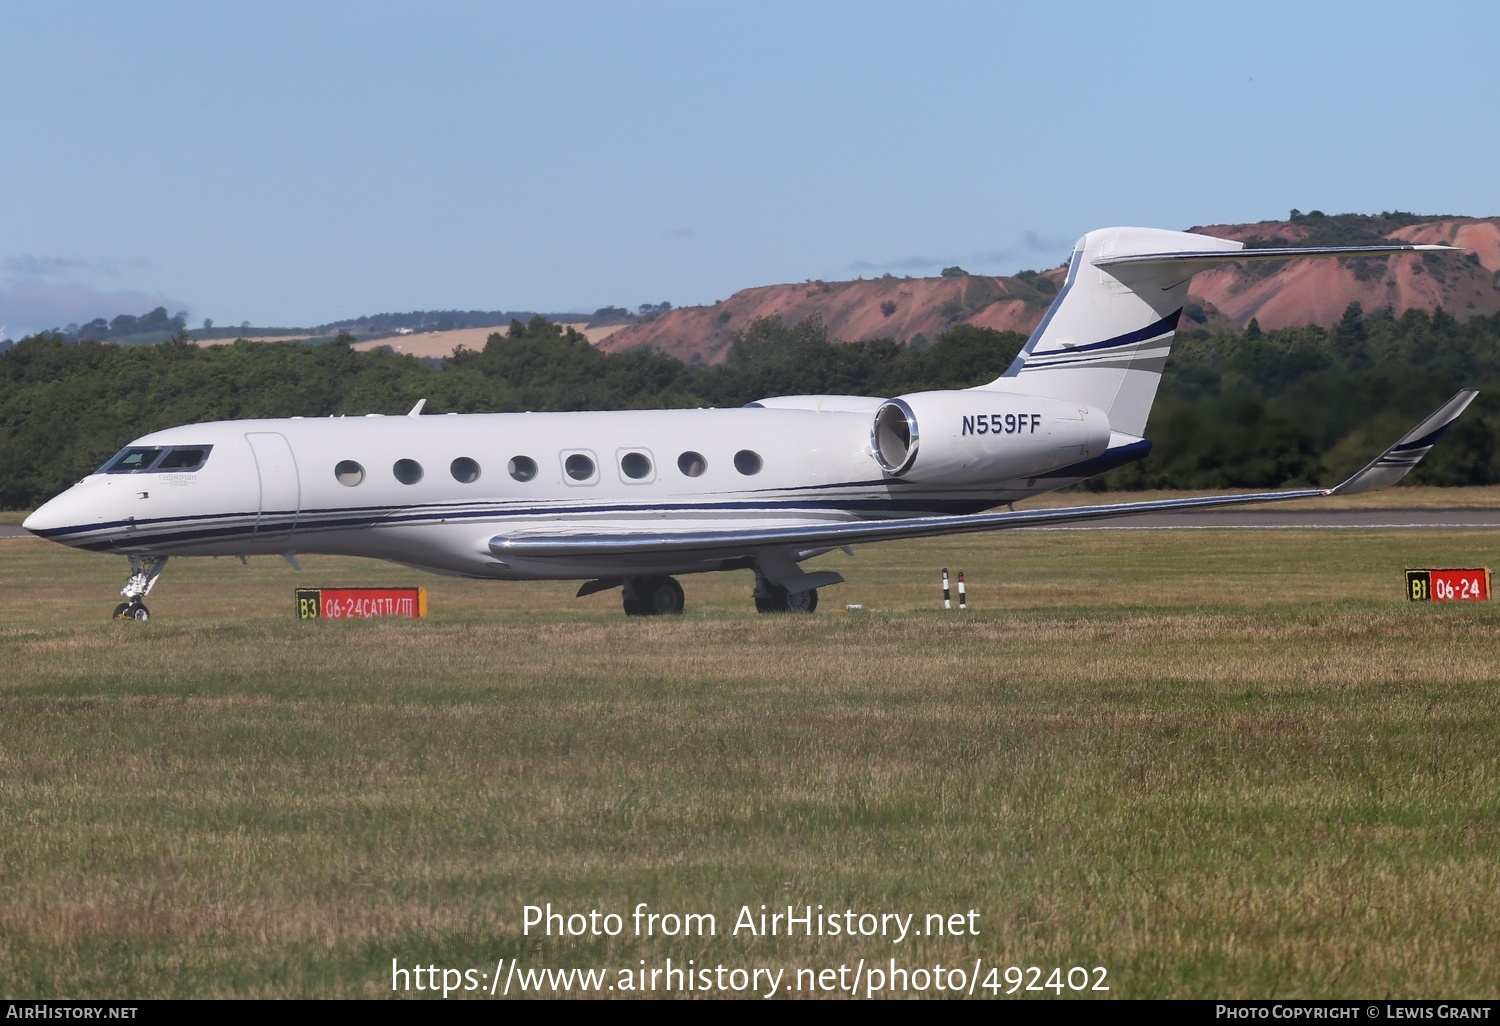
894, 437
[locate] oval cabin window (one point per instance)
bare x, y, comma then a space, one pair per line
464, 470
522, 468
635, 465
349, 473
579, 467
692, 464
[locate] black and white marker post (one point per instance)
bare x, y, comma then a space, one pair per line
963, 599
947, 603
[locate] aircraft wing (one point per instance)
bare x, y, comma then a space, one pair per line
751, 542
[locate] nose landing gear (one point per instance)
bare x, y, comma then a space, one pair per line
143, 573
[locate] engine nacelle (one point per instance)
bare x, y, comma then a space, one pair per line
979, 436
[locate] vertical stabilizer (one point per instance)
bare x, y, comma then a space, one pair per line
1106, 337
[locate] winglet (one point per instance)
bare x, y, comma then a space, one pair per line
1394, 464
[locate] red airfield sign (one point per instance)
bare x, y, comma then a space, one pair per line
1470, 585
360, 603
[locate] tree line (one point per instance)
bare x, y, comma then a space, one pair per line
1257, 409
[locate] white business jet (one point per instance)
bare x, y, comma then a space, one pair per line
628, 499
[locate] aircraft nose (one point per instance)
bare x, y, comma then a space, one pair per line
55, 516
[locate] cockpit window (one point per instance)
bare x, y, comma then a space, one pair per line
177, 459
184, 458
132, 459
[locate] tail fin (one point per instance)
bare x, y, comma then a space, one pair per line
1105, 339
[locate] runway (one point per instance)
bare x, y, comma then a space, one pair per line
1240, 519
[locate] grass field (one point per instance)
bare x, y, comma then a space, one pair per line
1217, 763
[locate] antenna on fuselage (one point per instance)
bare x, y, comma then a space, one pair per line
417, 409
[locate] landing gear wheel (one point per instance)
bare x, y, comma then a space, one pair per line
802, 601
664, 597
652, 596
132, 611
779, 600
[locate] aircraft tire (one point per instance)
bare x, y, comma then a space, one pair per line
122, 611
663, 596
802, 601
782, 601
653, 596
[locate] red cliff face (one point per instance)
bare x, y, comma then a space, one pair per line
899, 308
1318, 291
1294, 293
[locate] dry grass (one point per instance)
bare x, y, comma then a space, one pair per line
1217, 763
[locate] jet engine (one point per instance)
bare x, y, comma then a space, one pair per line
979, 436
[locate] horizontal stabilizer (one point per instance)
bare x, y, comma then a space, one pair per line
1222, 256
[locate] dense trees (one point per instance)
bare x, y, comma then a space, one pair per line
1318, 403
1256, 409
148, 327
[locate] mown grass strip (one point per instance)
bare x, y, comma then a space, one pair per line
1218, 763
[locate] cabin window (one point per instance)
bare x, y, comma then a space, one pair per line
464, 470
522, 468
132, 459
692, 464
578, 466
349, 473
747, 462
408, 472
184, 458
635, 465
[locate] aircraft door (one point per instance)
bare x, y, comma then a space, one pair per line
280, 492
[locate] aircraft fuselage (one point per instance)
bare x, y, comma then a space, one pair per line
432, 491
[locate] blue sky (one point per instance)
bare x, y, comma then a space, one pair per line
291, 164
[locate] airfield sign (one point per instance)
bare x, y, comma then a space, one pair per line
360, 603
1470, 585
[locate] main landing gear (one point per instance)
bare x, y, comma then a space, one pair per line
773, 598
662, 596
143, 573
652, 596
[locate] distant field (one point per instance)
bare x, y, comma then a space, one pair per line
440, 344
251, 336
431, 344
1216, 763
